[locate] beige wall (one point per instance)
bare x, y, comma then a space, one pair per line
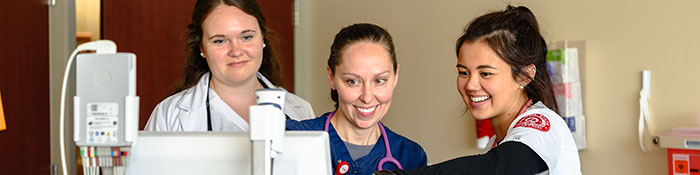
623, 37
87, 14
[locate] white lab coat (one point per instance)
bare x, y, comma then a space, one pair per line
546, 133
187, 110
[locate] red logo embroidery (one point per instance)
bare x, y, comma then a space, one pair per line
537, 121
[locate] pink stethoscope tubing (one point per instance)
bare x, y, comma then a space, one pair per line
387, 158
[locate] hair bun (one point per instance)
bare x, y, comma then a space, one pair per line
520, 10
511, 8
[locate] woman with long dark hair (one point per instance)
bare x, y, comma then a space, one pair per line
229, 57
502, 76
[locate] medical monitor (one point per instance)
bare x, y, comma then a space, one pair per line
105, 105
212, 153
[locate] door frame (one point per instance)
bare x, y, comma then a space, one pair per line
61, 44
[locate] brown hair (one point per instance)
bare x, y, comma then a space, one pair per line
196, 65
514, 36
357, 33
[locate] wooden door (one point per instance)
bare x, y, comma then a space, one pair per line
280, 19
154, 30
24, 84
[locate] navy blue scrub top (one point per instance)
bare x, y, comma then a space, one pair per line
409, 153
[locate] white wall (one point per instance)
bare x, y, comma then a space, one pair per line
623, 37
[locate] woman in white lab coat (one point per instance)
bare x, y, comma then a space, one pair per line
230, 56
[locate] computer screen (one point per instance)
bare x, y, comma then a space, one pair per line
305, 152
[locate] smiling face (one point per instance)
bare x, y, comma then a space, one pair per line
365, 80
232, 43
486, 83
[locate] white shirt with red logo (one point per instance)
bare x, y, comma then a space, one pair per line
545, 132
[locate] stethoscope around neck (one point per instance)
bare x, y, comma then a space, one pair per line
209, 127
387, 158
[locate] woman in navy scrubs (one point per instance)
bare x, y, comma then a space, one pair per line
362, 72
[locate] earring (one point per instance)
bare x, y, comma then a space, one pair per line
521, 87
264, 45
201, 54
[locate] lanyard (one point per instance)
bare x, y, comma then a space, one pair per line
387, 158
522, 110
527, 105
